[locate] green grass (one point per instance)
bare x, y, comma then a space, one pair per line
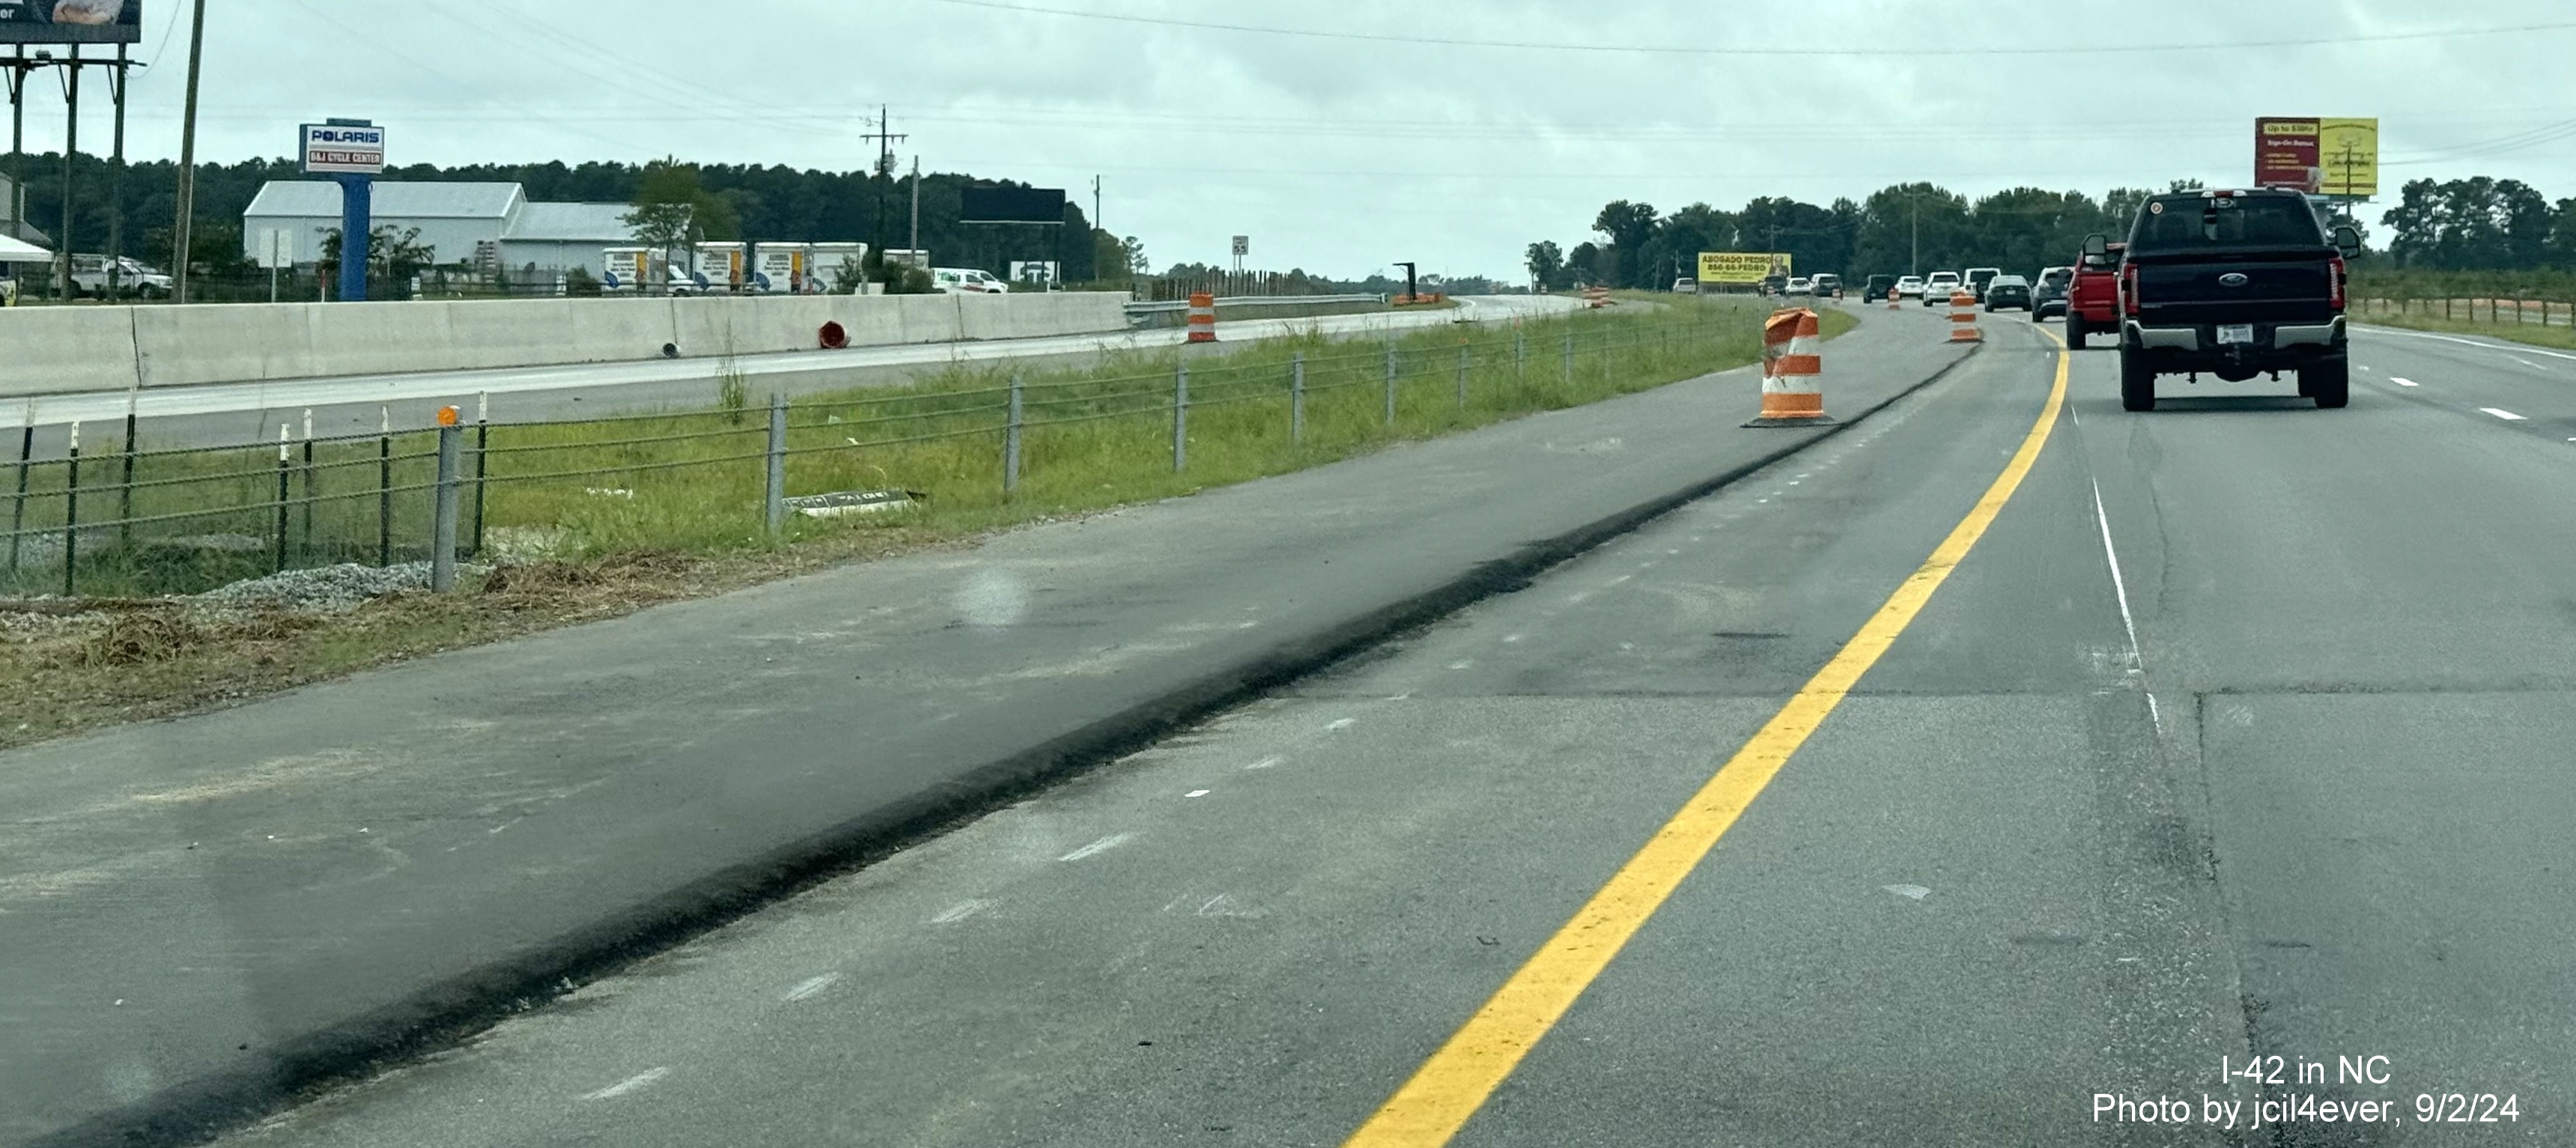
693, 481
2473, 317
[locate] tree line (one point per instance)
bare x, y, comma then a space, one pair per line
735, 201
1903, 229
2480, 224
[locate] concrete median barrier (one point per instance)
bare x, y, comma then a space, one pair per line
66, 350
52, 349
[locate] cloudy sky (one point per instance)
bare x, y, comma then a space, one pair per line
1344, 134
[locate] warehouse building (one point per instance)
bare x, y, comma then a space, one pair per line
478, 224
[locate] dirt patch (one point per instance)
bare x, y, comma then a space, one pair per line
68, 665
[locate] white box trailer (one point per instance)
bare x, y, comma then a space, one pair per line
721, 266
631, 269
835, 267
780, 268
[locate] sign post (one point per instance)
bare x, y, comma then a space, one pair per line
352, 153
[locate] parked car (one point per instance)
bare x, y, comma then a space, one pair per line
2048, 292
89, 277
1799, 285
2007, 291
2233, 283
1976, 279
1939, 286
1828, 285
967, 281
1909, 287
1877, 287
2093, 295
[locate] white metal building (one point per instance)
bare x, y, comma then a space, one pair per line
458, 222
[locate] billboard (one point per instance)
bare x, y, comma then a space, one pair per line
2348, 151
2285, 153
342, 149
71, 21
1741, 267
1011, 205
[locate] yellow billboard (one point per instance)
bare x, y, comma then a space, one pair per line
1745, 267
2348, 156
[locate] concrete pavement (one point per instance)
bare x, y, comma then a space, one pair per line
2241, 732
209, 909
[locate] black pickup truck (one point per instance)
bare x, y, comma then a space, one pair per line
2235, 283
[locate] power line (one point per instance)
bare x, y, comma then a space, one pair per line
1679, 50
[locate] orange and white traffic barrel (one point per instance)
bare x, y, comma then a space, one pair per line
1894, 300
1793, 372
1202, 318
1963, 318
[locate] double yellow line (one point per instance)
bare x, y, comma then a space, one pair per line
1448, 1088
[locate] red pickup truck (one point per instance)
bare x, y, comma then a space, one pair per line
2093, 300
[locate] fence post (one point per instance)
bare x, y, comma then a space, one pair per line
774, 499
1297, 397
1462, 374
1520, 353
1568, 373
125, 488
305, 515
18, 506
71, 509
1390, 384
385, 487
285, 469
1180, 417
482, 440
1011, 442
442, 518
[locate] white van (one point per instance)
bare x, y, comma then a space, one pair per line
967, 281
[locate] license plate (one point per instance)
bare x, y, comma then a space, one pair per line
2235, 333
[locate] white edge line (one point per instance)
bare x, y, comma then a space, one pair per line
2120, 590
629, 1084
2463, 342
1103, 845
811, 986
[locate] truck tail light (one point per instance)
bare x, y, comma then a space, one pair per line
2129, 289
2334, 272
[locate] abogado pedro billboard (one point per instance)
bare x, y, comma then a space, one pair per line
71, 21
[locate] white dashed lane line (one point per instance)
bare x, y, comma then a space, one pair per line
2401, 382
2506, 415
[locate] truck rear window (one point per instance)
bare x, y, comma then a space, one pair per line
2242, 221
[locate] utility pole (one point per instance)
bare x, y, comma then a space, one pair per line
64, 287
1914, 240
116, 180
18, 69
884, 168
179, 249
916, 207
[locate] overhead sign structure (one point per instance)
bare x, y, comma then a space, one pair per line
1742, 267
2348, 151
71, 21
342, 149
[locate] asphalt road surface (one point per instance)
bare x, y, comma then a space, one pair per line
2242, 731
230, 413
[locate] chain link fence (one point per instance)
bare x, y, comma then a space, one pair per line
106, 517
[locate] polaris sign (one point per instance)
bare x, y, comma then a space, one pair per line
343, 149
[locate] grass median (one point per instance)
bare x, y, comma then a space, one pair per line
585, 520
